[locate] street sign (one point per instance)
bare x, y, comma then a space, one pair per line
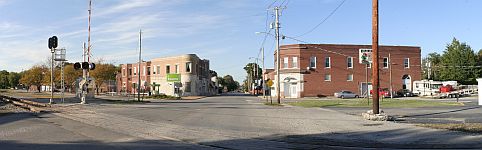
173, 77
365, 56
269, 83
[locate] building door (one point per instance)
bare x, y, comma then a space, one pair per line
293, 92
365, 89
287, 91
406, 82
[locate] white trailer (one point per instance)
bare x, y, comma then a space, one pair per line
427, 87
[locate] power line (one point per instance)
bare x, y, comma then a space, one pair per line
324, 20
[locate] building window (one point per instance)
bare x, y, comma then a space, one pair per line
176, 67
295, 62
349, 62
385, 62
130, 71
148, 70
285, 62
144, 72
369, 65
327, 77
406, 62
327, 62
158, 69
168, 69
313, 62
349, 77
188, 87
188, 66
135, 70
124, 72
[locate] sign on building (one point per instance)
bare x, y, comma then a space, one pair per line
365, 56
173, 77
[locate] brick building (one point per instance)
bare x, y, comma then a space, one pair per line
312, 70
193, 71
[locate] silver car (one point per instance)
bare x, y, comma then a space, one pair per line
346, 94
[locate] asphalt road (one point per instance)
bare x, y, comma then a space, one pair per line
222, 122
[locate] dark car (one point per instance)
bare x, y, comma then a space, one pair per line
405, 93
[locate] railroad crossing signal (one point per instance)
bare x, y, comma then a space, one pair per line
84, 65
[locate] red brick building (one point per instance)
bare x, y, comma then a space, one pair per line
311, 70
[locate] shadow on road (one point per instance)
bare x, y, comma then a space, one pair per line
389, 139
443, 112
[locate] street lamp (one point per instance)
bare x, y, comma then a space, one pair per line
277, 68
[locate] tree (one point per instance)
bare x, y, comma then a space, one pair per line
458, 63
249, 68
71, 75
34, 76
4, 79
429, 63
13, 79
102, 73
230, 83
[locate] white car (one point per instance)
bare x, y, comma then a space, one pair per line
345, 94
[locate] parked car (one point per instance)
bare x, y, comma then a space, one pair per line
382, 92
405, 93
345, 94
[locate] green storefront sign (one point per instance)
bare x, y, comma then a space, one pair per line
173, 77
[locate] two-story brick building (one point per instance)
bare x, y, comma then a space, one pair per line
194, 73
311, 70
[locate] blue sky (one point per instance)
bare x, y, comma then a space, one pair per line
222, 31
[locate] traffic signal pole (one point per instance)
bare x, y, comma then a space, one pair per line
52, 50
375, 79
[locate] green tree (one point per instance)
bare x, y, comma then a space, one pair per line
251, 74
429, 64
13, 79
458, 63
230, 83
4, 83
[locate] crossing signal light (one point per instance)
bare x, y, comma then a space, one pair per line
77, 66
85, 65
92, 66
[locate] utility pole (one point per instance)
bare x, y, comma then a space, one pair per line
277, 26
256, 76
262, 74
390, 65
429, 69
139, 67
375, 79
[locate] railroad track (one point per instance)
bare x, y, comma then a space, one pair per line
26, 104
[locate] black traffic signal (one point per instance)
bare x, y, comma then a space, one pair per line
53, 42
77, 66
85, 65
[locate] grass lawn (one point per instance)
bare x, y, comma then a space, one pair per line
128, 101
466, 127
363, 103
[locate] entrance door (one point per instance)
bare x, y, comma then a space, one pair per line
365, 89
406, 82
287, 90
293, 92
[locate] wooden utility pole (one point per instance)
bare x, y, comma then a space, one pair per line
375, 79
